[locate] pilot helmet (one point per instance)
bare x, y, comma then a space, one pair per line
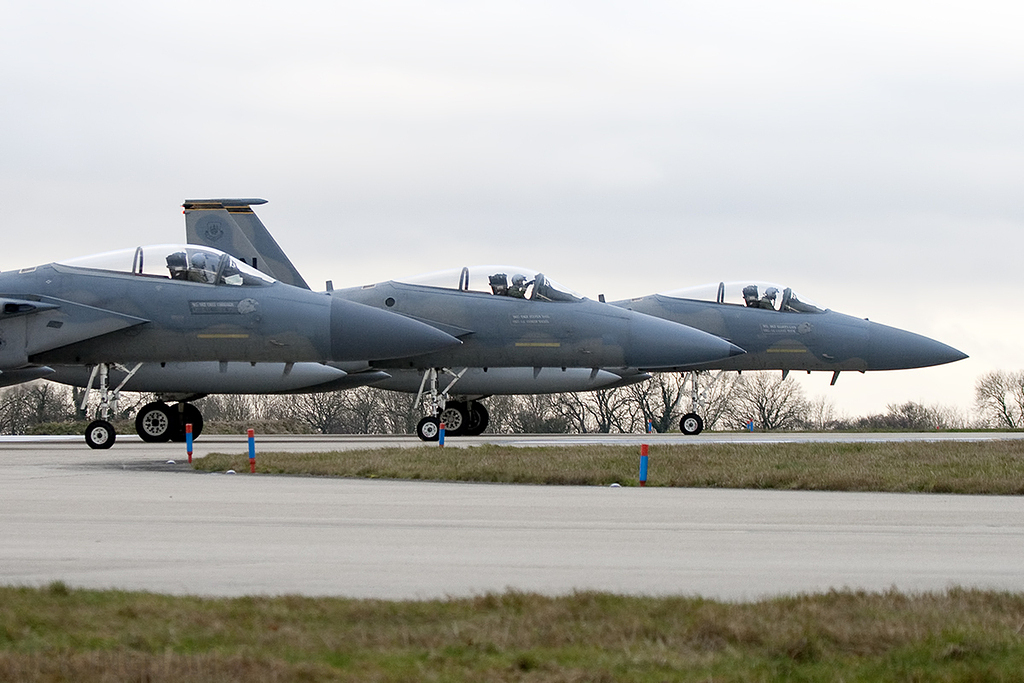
197, 260
518, 280
771, 292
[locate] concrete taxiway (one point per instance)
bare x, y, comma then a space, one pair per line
126, 518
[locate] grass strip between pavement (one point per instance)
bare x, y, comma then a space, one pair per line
979, 467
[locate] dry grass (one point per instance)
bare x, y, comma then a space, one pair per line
983, 467
60, 634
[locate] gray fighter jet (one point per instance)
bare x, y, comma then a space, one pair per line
174, 303
782, 331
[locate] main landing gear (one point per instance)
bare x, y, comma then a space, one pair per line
157, 422
460, 418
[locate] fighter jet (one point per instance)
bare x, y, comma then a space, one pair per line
782, 331
175, 303
513, 317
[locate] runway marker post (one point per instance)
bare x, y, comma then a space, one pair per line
440, 435
188, 441
252, 451
643, 464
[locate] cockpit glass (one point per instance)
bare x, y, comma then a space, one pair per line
176, 262
749, 293
511, 281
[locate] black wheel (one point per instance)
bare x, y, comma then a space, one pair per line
477, 419
455, 419
156, 422
100, 434
186, 413
691, 424
428, 429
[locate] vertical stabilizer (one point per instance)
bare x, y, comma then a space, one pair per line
231, 226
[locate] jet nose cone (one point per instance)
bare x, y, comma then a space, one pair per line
895, 349
361, 332
658, 343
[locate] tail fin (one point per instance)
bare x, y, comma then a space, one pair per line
231, 226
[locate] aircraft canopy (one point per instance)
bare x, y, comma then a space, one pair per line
512, 281
750, 293
176, 262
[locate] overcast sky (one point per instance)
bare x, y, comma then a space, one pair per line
868, 154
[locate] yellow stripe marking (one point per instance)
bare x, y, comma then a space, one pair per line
539, 344
223, 336
787, 350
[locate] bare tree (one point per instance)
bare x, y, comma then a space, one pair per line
603, 411
323, 412
33, 403
536, 414
821, 413
770, 401
659, 400
999, 397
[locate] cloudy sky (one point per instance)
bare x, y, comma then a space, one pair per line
868, 154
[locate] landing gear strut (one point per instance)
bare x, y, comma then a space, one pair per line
692, 423
100, 433
460, 418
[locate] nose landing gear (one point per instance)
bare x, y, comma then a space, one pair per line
460, 418
100, 433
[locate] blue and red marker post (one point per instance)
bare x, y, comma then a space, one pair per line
252, 451
440, 435
643, 464
188, 441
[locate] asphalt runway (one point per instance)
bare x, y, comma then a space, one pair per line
127, 518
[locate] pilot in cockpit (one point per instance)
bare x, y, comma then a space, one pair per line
200, 268
518, 287
768, 300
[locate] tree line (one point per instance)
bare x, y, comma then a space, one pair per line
765, 401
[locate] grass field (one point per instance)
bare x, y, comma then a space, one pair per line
983, 467
60, 634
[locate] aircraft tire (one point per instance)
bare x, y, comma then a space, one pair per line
100, 434
156, 422
186, 413
428, 429
691, 424
455, 418
478, 419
